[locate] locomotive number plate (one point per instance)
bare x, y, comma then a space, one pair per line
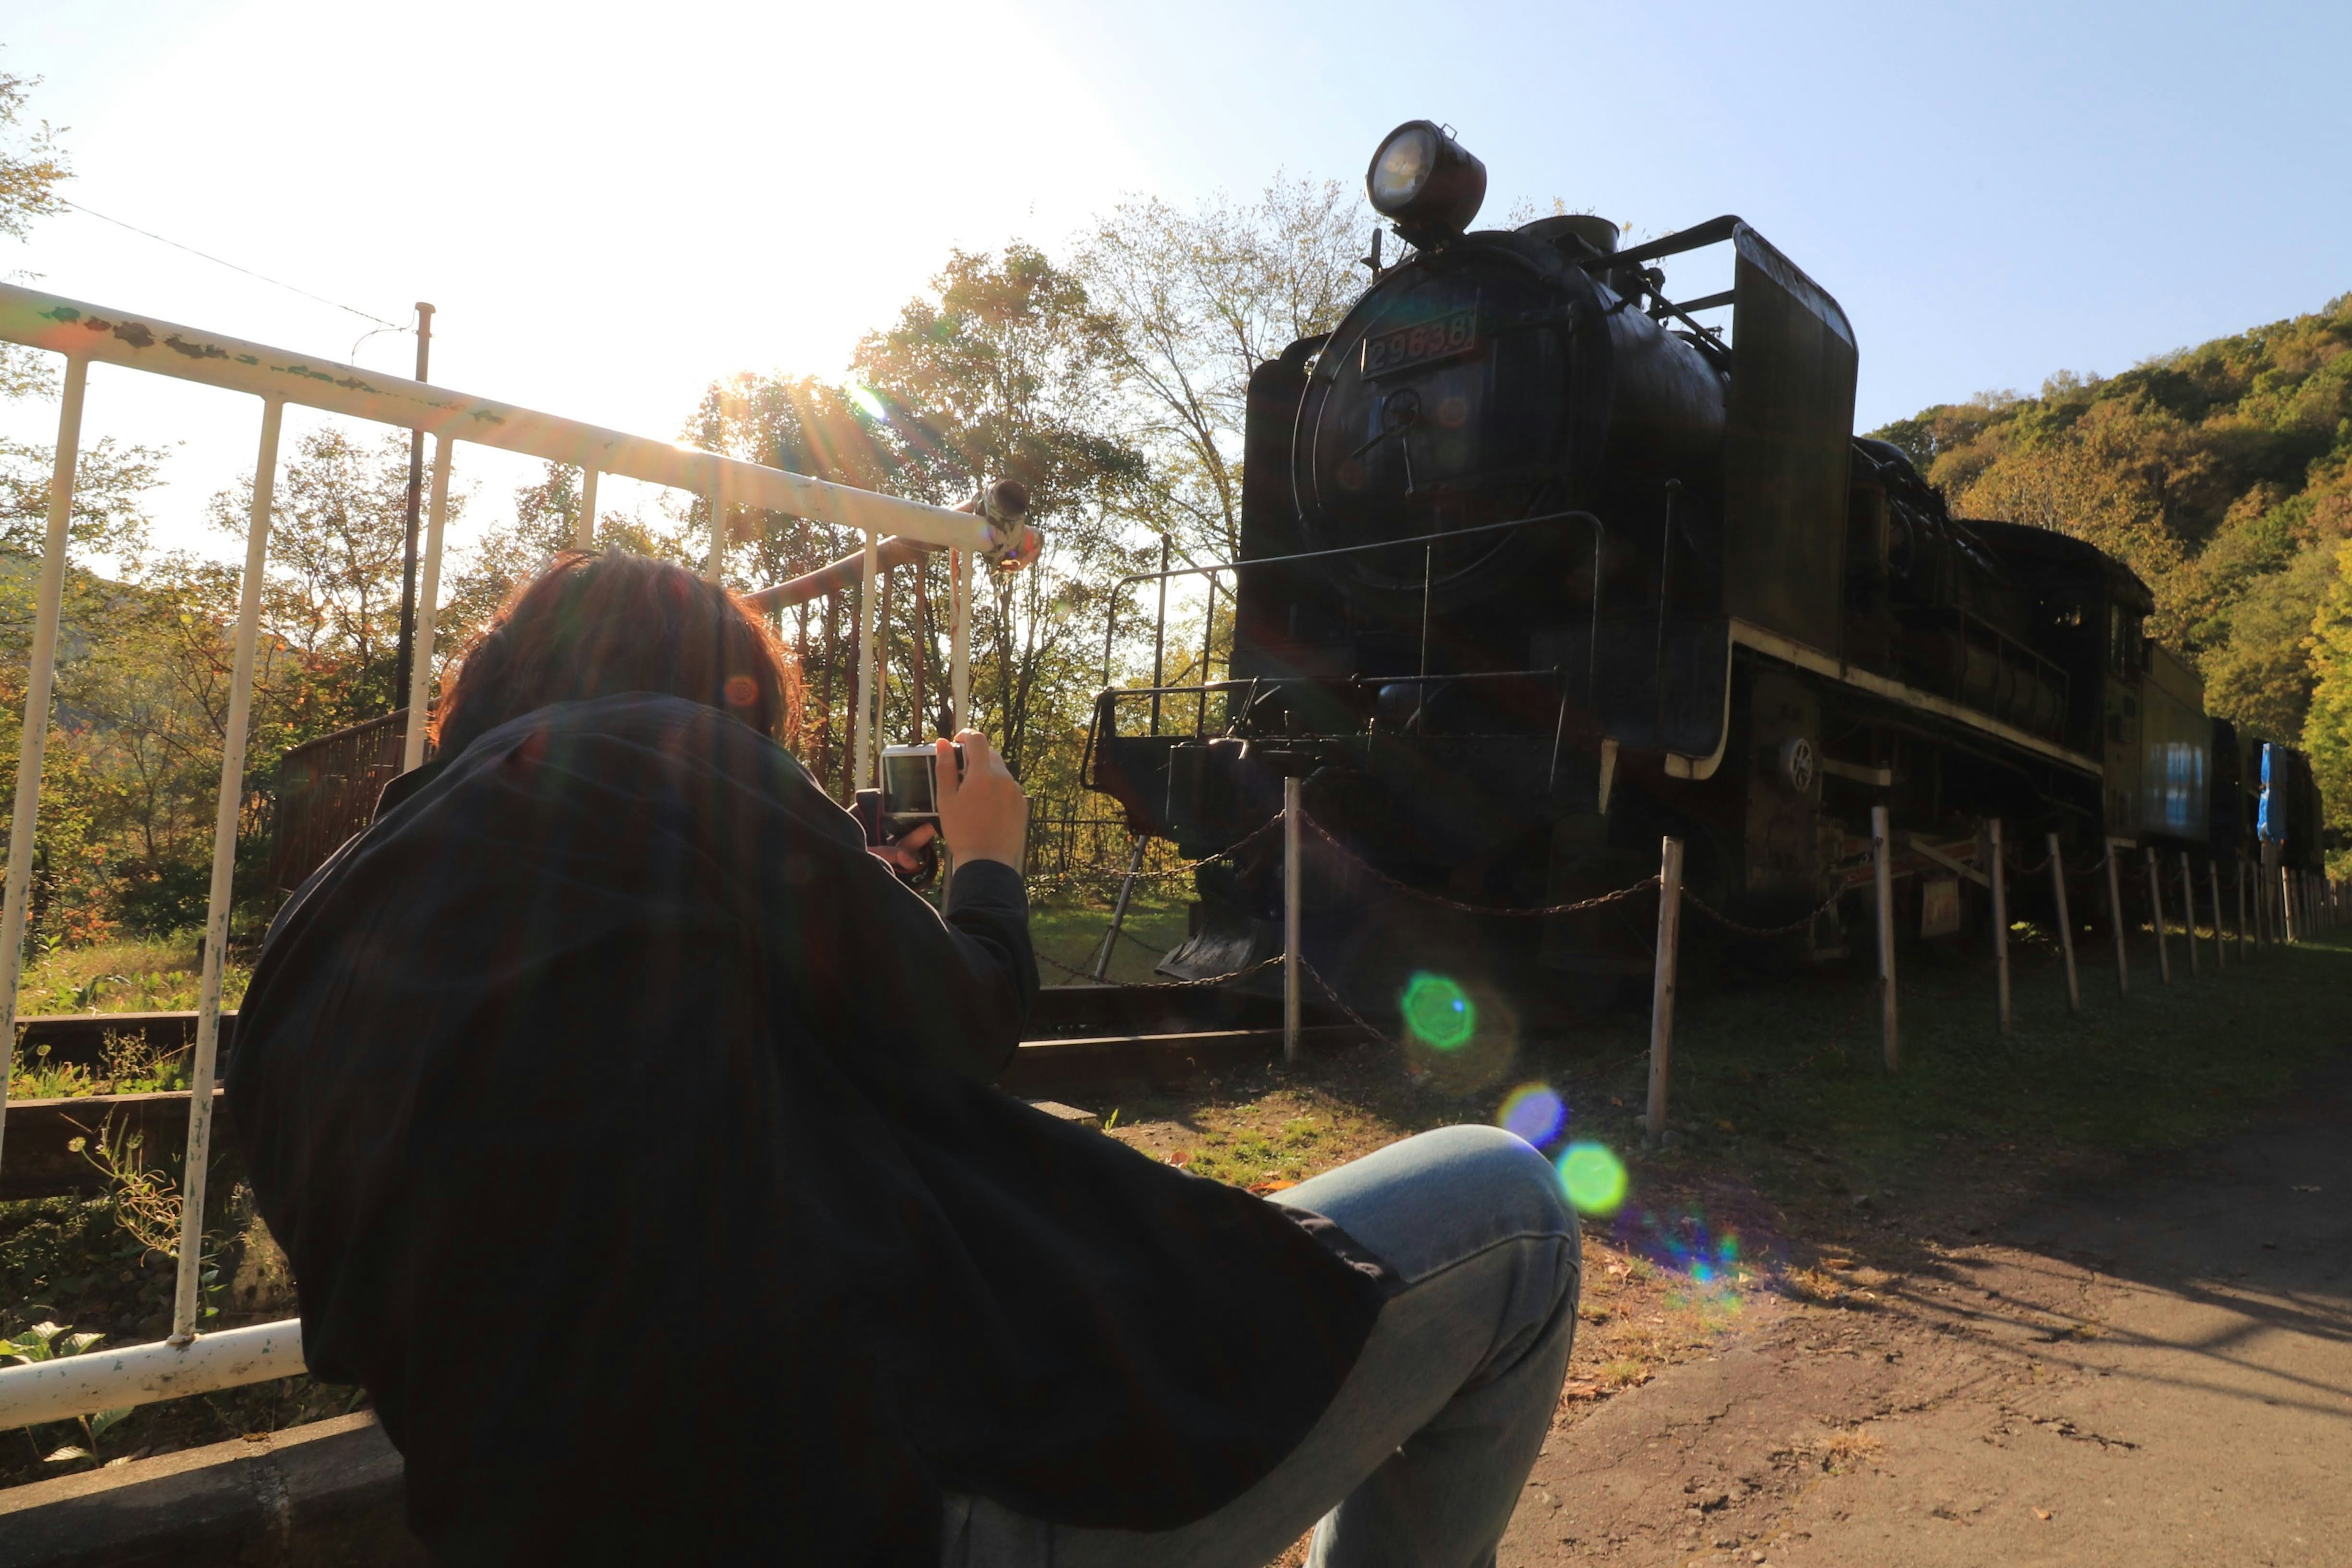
1418, 345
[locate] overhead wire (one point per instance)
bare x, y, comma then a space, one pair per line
381, 324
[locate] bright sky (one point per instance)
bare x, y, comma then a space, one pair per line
612, 205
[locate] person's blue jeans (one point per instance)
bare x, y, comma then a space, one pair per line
1420, 1459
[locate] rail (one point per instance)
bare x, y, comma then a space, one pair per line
86, 334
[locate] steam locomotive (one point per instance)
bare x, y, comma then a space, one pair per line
1539, 563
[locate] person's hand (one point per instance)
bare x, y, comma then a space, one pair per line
904, 854
983, 816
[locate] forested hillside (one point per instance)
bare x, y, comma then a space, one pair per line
2224, 475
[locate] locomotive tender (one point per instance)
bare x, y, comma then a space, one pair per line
1537, 566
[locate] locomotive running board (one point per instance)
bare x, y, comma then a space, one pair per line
1772, 644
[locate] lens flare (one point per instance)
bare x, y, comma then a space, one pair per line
1533, 1113
1594, 1178
1438, 1012
866, 399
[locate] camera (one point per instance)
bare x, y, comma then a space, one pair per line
910, 794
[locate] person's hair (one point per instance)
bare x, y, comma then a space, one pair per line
596, 626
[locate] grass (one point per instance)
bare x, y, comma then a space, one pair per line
1067, 927
159, 974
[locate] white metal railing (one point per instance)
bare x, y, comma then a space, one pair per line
86, 333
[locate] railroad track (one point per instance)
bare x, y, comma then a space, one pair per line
1087, 1043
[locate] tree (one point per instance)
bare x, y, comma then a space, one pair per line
2328, 732
31, 170
330, 596
1196, 300
1001, 372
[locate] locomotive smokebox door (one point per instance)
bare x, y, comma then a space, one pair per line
1784, 792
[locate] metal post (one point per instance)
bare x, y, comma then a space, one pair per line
1291, 902
583, 532
420, 674
2189, 908
1159, 638
2065, 925
959, 638
1661, 979
1208, 647
2156, 918
48, 609
2116, 919
224, 820
1119, 909
2213, 886
2287, 920
863, 745
2237, 863
415, 501
2000, 922
1884, 873
715, 569
918, 640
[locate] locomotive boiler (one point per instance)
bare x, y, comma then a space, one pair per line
1540, 561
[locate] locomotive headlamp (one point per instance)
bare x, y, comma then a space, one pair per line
1426, 181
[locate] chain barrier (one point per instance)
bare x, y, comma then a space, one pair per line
1063, 880
1341, 1003
1443, 902
1088, 975
1800, 923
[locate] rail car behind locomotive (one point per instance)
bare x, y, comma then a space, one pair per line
1539, 563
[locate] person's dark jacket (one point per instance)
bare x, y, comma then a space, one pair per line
626, 1125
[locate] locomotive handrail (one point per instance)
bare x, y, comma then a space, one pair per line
1110, 618
1355, 549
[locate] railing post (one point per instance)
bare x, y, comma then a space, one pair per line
1208, 648
1119, 909
1292, 903
216, 914
48, 609
863, 744
715, 569
2065, 925
2116, 919
1159, 638
959, 638
1662, 981
1999, 921
2155, 917
2189, 909
1882, 872
2238, 869
429, 593
583, 532
2213, 886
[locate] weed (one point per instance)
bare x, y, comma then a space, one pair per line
54, 1341
1842, 1452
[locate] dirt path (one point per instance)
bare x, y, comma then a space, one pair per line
2155, 1372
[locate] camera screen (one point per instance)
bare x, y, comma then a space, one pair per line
907, 783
